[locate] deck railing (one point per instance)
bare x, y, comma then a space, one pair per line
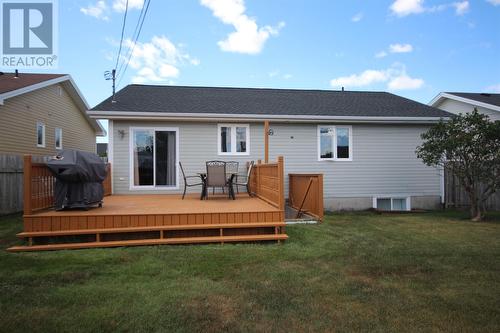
107, 181
305, 193
39, 186
267, 182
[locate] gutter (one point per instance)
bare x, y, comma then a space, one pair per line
258, 117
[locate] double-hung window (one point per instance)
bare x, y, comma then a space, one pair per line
233, 139
40, 134
334, 143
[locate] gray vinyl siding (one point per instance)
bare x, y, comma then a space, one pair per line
457, 107
197, 144
384, 161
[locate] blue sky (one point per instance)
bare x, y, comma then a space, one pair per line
414, 48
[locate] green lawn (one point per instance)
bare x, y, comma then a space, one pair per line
354, 272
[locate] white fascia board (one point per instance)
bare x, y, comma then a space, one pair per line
33, 87
436, 100
257, 117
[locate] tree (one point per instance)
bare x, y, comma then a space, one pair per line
468, 146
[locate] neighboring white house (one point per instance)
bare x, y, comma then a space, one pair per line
362, 142
453, 102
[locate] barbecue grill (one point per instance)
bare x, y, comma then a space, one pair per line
79, 176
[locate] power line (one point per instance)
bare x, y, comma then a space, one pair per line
123, 31
133, 36
134, 42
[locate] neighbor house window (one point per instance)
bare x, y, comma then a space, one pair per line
233, 139
334, 143
58, 138
392, 203
40, 134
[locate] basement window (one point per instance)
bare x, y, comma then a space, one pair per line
396, 204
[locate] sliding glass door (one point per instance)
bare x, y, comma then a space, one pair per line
154, 158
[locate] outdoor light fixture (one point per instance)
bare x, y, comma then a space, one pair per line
270, 132
121, 133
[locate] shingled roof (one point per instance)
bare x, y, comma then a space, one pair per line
10, 82
257, 101
493, 99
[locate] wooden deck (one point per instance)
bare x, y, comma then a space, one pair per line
130, 220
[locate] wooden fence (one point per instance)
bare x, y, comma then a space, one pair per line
11, 184
39, 186
456, 197
305, 193
267, 182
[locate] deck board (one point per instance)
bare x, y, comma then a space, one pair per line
157, 204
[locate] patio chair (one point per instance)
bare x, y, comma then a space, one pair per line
186, 183
232, 167
216, 177
246, 183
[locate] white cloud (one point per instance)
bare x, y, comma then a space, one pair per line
400, 48
366, 78
120, 5
98, 10
276, 73
273, 73
403, 8
358, 17
494, 88
395, 48
494, 2
406, 7
461, 7
156, 61
248, 37
404, 82
395, 77
101, 10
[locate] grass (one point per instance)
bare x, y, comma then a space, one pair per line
355, 272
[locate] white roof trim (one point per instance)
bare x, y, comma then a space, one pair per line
100, 131
255, 117
436, 100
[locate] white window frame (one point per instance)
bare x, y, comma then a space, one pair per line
133, 187
233, 151
392, 198
60, 139
42, 145
334, 142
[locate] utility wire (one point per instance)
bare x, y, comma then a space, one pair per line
123, 32
133, 37
134, 42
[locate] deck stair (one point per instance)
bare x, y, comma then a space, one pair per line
154, 235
